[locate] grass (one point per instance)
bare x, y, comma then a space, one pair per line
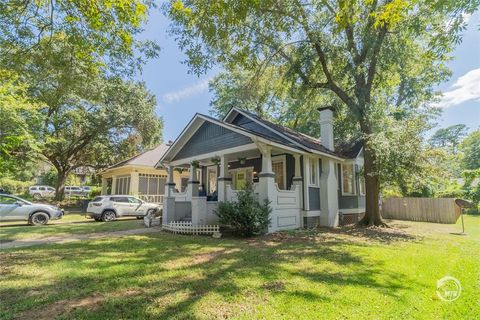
70, 224
326, 274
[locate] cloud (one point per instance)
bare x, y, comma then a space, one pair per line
184, 93
466, 88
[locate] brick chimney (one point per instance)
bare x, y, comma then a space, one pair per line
326, 127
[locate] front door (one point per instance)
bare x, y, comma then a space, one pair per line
242, 177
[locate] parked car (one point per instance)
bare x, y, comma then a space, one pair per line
75, 191
3, 191
39, 192
17, 209
108, 208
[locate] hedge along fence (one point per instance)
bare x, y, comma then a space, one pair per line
439, 210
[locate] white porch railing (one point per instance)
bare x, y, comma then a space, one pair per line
153, 198
180, 196
287, 198
188, 228
232, 193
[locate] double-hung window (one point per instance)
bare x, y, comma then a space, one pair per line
314, 172
348, 179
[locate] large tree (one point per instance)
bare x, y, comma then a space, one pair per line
379, 58
470, 147
89, 118
103, 29
20, 122
449, 138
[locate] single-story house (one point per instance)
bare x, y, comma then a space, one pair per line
307, 181
139, 177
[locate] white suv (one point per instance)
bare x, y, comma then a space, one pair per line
38, 192
108, 208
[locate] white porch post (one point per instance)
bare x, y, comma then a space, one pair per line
266, 179
134, 182
104, 186
114, 185
168, 213
328, 194
223, 179
170, 185
297, 182
193, 183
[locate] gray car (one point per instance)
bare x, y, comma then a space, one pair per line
16, 209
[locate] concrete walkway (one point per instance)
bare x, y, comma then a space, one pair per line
79, 237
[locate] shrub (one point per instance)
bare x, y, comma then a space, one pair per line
246, 216
15, 186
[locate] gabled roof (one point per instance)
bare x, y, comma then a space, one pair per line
297, 137
148, 158
262, 130
350, 150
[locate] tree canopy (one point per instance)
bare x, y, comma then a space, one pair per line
379, 59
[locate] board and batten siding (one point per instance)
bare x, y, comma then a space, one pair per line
211, 137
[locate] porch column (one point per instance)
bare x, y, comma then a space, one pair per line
266, 178
328, 194
104, 186
168, 214
134, 182
223, 179
114, 185
193, 183
297, 182
297, 178
170, 185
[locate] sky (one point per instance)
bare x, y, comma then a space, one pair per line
181, 94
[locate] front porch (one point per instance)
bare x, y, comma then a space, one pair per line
275, 173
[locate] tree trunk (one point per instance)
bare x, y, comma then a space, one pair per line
373, 215
60, 185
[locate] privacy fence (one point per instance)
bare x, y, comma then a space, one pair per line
439, 210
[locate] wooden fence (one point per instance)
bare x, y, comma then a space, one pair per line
439, 210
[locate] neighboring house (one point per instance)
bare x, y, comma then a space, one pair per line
306, 180
138, 176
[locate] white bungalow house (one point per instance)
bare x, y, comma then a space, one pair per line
139, 177
305, 179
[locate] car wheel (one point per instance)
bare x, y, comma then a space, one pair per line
37, 196
108, 216
39, 219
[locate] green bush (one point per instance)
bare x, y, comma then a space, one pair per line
15, 186
246, 216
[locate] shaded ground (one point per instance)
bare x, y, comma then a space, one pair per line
323, 274
71, 224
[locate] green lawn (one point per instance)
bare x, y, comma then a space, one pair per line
347, 274
70, 224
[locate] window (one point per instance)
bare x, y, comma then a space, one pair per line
278, 167
314, 172
183, 184
7, 200
211, 179
122, 185
119, 199
151, 184
134, 200
348, 179
361, 186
